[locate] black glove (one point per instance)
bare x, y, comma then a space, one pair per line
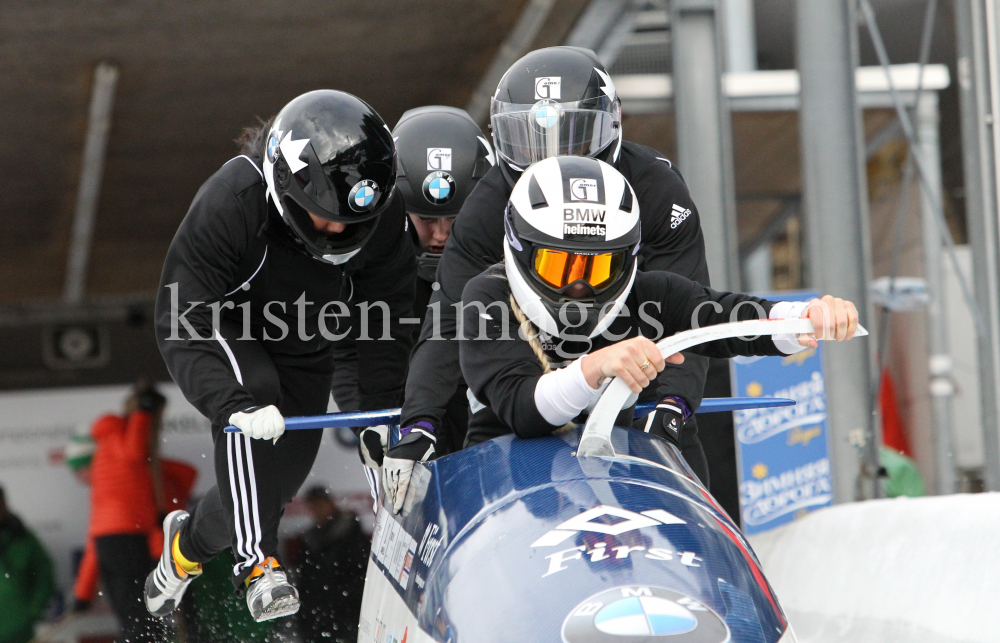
666, 421
371, 445
150, 400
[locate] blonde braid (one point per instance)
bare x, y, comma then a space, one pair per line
531, 333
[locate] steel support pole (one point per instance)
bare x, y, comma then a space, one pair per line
835, 200
741, 36
704, 132
102, 102
514, 46
979, 163
941, 386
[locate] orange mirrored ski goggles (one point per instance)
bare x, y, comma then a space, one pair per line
559, 268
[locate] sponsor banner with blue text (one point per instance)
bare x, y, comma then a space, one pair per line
783, 453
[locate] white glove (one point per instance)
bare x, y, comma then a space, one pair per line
372, 443
416, 446
396, 474
264, 423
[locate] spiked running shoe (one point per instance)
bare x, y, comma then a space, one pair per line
269, 594
165, 585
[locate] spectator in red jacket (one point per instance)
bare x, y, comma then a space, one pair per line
131, 489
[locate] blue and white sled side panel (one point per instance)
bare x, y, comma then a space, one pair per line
521, 540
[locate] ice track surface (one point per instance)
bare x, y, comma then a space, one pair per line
905, 570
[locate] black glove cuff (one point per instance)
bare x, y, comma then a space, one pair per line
412, 446
667, 423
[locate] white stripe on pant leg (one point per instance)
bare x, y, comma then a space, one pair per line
244, 510
236, 500
249, 549
252, 483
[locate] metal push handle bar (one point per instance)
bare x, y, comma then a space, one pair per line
391, 416
596, 438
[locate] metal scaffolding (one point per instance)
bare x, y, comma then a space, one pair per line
836, 222
704, 132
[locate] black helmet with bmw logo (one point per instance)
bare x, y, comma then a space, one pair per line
441, 155
329, 154
572, 234
555, 101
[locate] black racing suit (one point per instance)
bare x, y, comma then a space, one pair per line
502, 370
671, 240
278, 312
450, 433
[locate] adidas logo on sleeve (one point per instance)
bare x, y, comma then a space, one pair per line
678, 215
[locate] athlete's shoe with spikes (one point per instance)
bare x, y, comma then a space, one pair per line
165, 585
269, 594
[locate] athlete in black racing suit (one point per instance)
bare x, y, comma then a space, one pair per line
285, 249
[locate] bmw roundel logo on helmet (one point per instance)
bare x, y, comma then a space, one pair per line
545, 114
272, 147
363, 196
640, 614
439, 188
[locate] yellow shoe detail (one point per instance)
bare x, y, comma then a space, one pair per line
258, 570
183, 565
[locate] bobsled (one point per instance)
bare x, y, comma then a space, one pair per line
595, 534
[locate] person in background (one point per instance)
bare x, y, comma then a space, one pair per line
125, 481
79, 455
172, 481
331, 571
25, 578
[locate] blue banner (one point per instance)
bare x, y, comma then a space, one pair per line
783, 452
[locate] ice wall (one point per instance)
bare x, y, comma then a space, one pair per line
907, 570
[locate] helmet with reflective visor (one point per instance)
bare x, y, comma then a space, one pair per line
329, 154
572, 232
555, 101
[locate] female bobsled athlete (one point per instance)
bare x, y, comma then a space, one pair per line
569, 284
286, 249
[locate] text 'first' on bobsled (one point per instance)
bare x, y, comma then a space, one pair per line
591, 535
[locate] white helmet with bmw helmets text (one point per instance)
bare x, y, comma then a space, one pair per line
572, 234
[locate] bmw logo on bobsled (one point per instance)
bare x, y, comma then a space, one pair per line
520, 540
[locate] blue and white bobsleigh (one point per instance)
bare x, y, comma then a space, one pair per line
545, 541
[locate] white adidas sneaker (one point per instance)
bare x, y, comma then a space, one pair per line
165, 585
270, 595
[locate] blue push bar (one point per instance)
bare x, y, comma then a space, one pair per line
391, 416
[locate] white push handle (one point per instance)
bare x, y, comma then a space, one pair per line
596, 438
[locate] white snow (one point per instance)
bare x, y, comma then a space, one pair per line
907, 570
